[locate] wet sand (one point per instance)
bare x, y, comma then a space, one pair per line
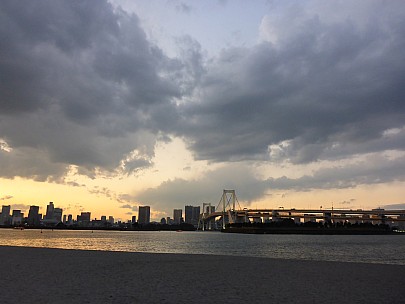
39, 275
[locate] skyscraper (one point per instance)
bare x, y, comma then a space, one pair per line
33, 216
144, 215
192, 214
57, 214
177, 216
5, 218
17, 217
49, 211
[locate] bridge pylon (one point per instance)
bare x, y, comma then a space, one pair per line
228, 199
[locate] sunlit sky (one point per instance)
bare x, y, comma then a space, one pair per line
108, 105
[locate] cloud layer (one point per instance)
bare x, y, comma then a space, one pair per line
82, 86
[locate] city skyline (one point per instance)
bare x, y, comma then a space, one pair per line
54, 215
111, 105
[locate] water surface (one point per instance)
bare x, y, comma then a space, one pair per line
383, 249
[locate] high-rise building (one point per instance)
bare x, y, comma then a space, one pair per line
192, 214
49, 211
57, 214
177, 216
133, 219
17, 218
33, 216
188, 212
70, 219
144, 215
5, 218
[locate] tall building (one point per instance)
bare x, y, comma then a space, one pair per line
5, 218
192, 214
49, 211
57, 214
84, 219
177, 216
17, 218
33, 216
133, 219
144, 215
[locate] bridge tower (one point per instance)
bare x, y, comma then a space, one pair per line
228, 199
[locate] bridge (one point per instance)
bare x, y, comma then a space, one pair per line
228, 213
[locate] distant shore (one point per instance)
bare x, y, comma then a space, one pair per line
70, 276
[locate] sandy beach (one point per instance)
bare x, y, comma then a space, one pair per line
39, 275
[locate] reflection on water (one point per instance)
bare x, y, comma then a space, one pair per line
385, 249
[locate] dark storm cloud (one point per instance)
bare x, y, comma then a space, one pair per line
81, 85
331, 89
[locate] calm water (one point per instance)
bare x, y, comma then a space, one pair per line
386, 249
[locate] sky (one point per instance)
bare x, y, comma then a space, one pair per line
109, 105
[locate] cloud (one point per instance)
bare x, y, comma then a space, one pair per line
374, 169
7, 197
22, 207
328, 89
400, 206
81, 85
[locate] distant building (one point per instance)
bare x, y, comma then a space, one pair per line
177, 216
57, 214
33, 219
133, 219
5, 218
49, 211
17, 218
192, 214
144, 215
163, 221
84, 219
70, 219
111, 220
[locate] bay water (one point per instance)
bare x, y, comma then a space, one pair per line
382, 249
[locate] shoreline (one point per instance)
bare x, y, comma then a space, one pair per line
85, 276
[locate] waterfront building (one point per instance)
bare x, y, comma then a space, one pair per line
5, 218
104, 218
70, 219
17, 218
144, 215
33, 216
163, 221
49, 211
192, 214
57, 214
177, 216
84, 219
133, 219
111, 220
